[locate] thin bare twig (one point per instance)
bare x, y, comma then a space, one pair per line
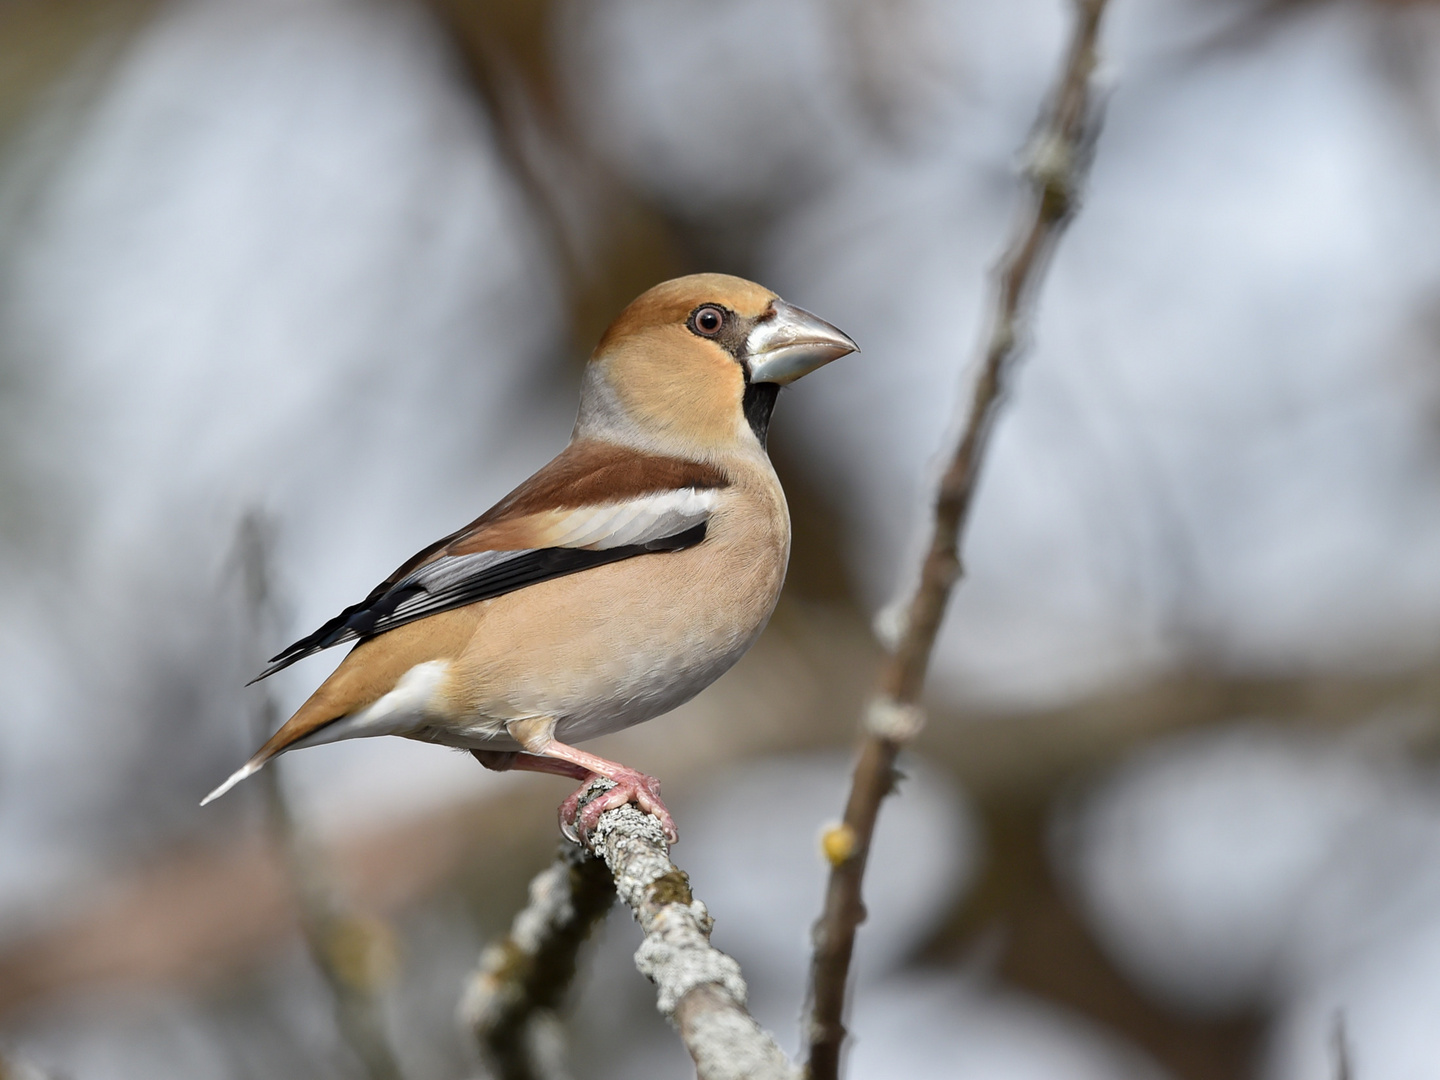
698, 988
1059, 160
1340, 1047
512, 999
350, 950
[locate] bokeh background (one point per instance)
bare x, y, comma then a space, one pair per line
314, 279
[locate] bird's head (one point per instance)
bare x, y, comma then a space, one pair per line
694, 365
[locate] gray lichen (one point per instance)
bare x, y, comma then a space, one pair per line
698, 988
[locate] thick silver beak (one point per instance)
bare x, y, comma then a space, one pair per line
790, 342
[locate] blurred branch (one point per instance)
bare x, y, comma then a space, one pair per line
43, 42
1059, 159
511, 1001
504, 48
1019, 753
192, 918
353, 953
699, 989
12, 1068
1253, 22
609, 243
1340, 1045
887, 61
195, 918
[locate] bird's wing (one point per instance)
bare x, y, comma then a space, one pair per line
587, 508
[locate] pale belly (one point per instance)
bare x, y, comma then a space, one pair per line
599, 651
640, 686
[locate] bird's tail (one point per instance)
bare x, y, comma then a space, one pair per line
250, 768
307, 726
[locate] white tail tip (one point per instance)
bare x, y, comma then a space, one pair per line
248, 769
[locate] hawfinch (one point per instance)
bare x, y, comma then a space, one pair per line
615, 584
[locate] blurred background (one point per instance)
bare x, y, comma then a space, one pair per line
288, 288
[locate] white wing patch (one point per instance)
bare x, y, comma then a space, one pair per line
650, 519
635, 521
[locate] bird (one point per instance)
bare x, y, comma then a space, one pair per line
614, 584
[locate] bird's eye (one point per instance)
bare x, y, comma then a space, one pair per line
708, 320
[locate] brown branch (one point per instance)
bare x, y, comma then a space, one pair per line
608, 242
45, 44
1059, 159
512, 999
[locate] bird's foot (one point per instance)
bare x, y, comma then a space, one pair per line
577, 822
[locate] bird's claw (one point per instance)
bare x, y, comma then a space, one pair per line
578, 822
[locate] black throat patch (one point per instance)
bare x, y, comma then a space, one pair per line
759, 405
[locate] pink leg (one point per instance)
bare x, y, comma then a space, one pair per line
630, 786
508, 760
561, 760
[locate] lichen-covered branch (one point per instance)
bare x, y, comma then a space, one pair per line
698, 988
511, 1002
1058, 161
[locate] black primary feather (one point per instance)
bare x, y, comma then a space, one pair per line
391, 605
